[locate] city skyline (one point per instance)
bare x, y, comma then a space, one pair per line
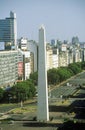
62, 19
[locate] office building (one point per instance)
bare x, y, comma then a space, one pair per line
53, 42
8, 67
8, 32
14, 66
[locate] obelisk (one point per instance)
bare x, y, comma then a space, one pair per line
43, 112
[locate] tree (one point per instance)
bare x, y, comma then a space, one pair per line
53, 77
24, 90
75, 67
32, 89
63, 73
1, 93
34, 77
20, 91
83, 65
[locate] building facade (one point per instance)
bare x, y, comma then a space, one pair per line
55, 58
26, 64
23, 44
33, 48
63, 58
8, 67
14, 66
49, 61
8, 31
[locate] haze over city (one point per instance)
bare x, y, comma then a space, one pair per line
63, 19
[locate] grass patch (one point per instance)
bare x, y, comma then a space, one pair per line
2, 105
22, 110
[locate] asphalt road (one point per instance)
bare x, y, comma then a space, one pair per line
25, 126
66, 90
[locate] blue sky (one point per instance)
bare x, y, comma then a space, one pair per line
62, 19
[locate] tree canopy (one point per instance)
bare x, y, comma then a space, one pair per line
20, 91
75, 67
57, 75
53, 77
34, 77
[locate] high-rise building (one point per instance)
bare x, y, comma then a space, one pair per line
8, 31
8, 67
53, 42
75, 40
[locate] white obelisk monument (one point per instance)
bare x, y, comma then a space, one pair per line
43, 112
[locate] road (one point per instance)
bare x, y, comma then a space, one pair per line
70, 89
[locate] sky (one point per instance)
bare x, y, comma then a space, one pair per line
62, 19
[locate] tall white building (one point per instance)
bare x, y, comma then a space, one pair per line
27, 67
43, 113
55, 58
77, 55
49, 54
70, 56
63, 58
